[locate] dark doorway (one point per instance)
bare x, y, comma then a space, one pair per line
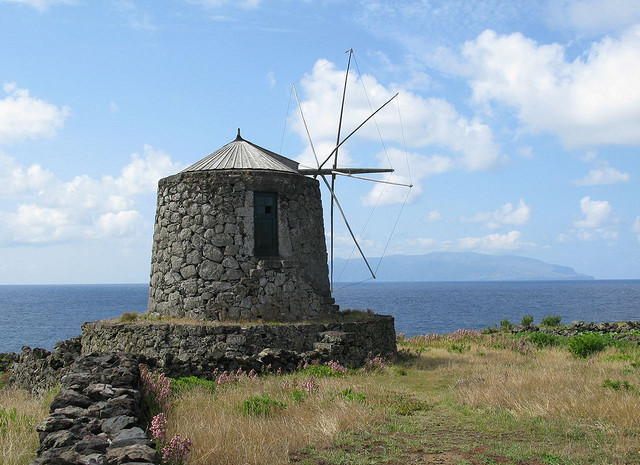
265, 221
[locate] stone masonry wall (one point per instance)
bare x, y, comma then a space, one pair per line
95, 418
203, 265
186, 350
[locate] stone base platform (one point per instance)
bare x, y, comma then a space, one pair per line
192, 349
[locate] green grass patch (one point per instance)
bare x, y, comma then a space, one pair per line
261, 406
192, 382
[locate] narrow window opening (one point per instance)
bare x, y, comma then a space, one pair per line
265, 221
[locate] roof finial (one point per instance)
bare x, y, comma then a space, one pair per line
239, 136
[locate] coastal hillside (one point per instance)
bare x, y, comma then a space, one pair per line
455, 266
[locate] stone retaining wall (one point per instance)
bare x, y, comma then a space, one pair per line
95, 418
186, 349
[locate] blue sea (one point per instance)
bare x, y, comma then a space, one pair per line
40, 316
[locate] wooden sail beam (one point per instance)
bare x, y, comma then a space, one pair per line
381, 181
316, 171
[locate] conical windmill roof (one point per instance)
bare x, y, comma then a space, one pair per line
242, 154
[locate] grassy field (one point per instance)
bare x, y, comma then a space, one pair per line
19, 414
458, 399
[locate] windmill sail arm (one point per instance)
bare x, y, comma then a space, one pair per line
316, 171
356, 129
371, 179
346, 222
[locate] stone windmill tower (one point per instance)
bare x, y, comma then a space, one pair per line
240, 235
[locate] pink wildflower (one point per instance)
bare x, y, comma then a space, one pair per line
335, 366
375, 363
159, 427
157, 387
176, 451
309, 385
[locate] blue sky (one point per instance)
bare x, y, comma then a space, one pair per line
517, 122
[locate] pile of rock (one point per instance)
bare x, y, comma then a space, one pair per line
95, 418
38, 370
621, 329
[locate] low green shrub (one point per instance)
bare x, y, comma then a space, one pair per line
263, 405
526, 320
400, 371
585, 344
298, 395
551, 320
619, 385
490, 329
459, 348
128, 317
192, 382
348, 394
545, 340
320, 371
505, 324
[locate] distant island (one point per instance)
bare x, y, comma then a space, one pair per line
455, 266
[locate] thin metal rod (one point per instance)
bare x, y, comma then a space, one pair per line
305, 124
348, 226
339, 173
335, 160
354, 131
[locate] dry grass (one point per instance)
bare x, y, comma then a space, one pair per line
553, 384
560, 389
222, 434
18, 439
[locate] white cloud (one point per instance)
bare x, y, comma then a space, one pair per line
245, 4
605, 174
636, 227
595, 16
53, 210
421, 166
598, 221
526, 152
39, 4
26, 117
491, 242
36, 224
505, 215
136, 18
425, 123
434, 215
16, 179
271, 79
123, 223
597, 213
594, 99
114, 107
